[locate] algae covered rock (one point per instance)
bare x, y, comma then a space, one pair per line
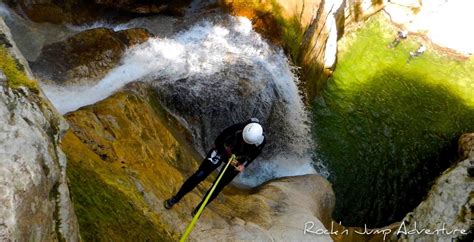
87, 56
138, 155
133, 36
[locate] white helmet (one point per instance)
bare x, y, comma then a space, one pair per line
253, 134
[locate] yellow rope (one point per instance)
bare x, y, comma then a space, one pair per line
196, 216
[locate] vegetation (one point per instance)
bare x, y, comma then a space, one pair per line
13, 71
385, 127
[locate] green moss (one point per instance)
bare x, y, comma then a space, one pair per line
105, 213
386, 128
53, 195
16, 78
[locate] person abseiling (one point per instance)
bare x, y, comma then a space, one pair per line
244, 140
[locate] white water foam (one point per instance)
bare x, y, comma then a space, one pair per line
204, 50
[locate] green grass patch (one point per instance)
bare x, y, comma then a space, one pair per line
387, 128
12, 70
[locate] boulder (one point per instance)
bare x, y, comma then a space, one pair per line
133, 36
35, 202
448, 204
134, 147
87, 56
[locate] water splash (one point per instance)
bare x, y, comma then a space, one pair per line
219, 71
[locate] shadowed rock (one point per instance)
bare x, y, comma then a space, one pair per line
87, 11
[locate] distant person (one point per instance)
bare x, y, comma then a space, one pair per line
401, 34
417, 53
244, 140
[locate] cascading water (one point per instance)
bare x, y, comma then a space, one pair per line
210, 76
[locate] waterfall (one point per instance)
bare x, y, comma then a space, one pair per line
216, 73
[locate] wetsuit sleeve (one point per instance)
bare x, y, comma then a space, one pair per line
227, 133
255, 153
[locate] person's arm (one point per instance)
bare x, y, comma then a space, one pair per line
225, 135
254, 154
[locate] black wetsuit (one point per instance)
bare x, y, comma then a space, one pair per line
231, 138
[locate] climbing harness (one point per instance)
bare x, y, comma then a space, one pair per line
203, 205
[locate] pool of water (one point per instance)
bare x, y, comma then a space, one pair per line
386, 127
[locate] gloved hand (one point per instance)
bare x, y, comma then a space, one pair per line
234, 162
240, 168
237, 165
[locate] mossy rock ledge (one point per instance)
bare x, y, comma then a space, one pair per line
127, 155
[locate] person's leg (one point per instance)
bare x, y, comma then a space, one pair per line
204, 170
206, 167
229, 175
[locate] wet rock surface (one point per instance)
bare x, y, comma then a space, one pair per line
87, 56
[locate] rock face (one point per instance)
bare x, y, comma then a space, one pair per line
87, 56
132, 147
147, 7
449, 203
34, 196
359, 10
58, 11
